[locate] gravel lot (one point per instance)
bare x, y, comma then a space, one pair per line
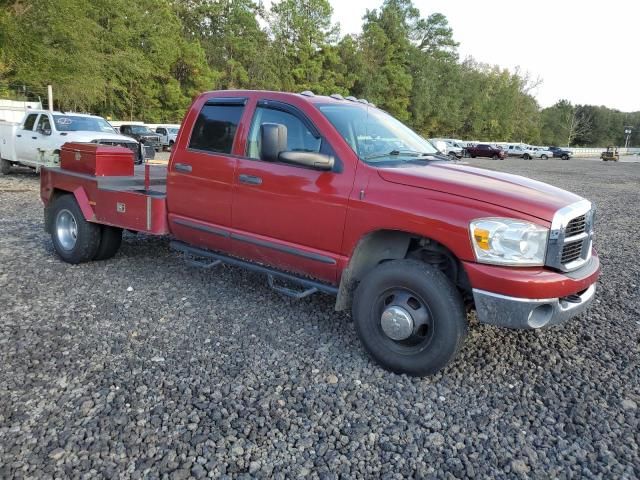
143, 367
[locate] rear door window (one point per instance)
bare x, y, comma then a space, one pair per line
215, 128
30, 121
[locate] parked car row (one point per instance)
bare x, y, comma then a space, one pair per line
498, 151
156, 136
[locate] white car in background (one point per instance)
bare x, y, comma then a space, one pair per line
448, 147
168, 135
36, 141
527, 152
541, 152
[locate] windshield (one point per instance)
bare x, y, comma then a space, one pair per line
71, 123
173, 131
140, 130
374, 135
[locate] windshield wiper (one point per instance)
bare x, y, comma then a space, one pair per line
397, 153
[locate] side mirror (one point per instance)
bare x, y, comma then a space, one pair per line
44, 131
317, 161
273, 148
273, 141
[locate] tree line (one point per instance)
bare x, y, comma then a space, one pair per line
147, 59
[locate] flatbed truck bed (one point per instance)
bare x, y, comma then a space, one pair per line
133, 202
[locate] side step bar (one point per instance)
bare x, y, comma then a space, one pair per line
310, 286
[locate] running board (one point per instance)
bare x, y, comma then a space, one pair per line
309, 286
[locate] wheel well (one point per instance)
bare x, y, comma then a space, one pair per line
385, 245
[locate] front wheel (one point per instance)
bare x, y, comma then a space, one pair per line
544, 157
5, 166
74, 239
495, 157
565, 157
526, 156
409, 317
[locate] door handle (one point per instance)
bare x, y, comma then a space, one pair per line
182, 167
18, 135
250, 179
34, 138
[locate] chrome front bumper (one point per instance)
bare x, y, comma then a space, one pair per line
515, 312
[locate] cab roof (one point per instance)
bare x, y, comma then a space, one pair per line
71, 114
307, 96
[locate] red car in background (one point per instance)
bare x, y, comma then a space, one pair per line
486, 150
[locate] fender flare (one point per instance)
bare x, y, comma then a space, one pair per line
83, 202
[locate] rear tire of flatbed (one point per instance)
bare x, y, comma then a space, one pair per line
74, 239
5, 166
110, 241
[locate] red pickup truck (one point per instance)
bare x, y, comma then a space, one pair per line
327, 194
486, 150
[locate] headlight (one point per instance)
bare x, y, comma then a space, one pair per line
507, 241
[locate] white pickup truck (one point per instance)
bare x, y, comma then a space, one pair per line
527, 152
37, 140
168, 135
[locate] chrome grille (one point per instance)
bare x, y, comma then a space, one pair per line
576, 226
571, 251
570, 237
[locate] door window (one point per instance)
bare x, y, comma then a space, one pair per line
299, 137
43, 124
215, 128
30, 121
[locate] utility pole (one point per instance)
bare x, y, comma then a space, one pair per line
627, 134
50, 96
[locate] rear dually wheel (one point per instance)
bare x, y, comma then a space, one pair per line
74, 239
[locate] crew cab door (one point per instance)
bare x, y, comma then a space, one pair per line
164, 140
43, 145
24, 144
201, 173
289, 216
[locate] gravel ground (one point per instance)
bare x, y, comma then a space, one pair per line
143, 367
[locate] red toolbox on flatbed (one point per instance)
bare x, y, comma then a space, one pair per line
98, 160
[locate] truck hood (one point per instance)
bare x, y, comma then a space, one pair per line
518, 193
82, 137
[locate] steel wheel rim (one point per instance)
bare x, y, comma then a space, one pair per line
408, 302
66, 230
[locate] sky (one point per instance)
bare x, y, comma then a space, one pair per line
583, 51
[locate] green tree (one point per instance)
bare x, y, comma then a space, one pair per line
303, 45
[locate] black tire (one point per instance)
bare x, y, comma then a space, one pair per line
110, 241
543, 157
565, 157
426, 289
495, 157
473, 156
526, 156
78, 248
5, 166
